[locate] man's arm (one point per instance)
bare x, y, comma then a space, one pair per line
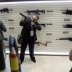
3, 26
25, 21
21, 23
38, 27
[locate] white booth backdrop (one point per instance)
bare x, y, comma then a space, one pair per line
49, 33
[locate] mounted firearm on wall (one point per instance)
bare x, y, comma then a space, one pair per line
69, 38
11, 27
65, 32
49, 34
69, 12
49, 23
67, 19
49, 10
45, 44
5, 10
10, 20
44, 25
35, 11
67, 26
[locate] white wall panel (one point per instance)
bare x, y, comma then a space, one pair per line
56, 18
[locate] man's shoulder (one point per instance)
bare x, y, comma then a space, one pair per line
29, 19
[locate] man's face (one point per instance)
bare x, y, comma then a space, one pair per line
34, 19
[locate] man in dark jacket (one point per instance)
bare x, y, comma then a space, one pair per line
2, 60
29, 36
2, 29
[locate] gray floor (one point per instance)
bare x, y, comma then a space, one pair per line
48, 64
45, 64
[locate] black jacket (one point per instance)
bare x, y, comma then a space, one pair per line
2, 29
27, 27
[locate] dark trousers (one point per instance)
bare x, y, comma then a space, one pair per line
30, 42
2, 59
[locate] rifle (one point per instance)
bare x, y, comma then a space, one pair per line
10, 20
67, 26
45, 44
49, 24
65, 32
69, 12
70, 39
11, 27
43, 25
23, 15
35, 11
5, 10
49, 34
49, 10
67, 19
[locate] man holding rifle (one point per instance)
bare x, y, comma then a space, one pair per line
29, 35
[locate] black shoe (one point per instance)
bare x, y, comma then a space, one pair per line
33, 59
21, 60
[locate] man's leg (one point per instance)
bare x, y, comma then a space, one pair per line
31, 49
23, 48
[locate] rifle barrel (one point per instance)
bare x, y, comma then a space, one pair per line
23, 15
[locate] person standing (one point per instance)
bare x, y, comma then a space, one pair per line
29, 35
2, 60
